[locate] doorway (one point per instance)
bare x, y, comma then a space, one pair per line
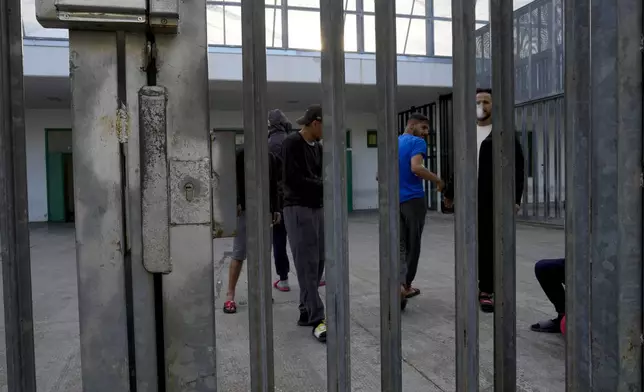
60, 175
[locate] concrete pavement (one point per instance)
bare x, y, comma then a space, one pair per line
300, 361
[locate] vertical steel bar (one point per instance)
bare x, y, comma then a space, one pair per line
501, 23
465, 175
534, 139
616, 209
100, 225
546, 160
577, 145
557, 157
526, 155
257, 203
14, 217
143, 300
335, 199
188, 292
386, 75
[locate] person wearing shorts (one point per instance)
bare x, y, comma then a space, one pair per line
239, 243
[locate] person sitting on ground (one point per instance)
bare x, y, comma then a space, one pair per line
239, 243
551, 274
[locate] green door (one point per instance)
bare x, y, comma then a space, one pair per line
349, 173
58, 146
56, 187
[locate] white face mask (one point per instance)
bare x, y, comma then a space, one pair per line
480, 114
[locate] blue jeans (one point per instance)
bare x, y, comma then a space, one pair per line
279, 251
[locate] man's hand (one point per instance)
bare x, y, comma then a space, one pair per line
277, 218
449, 203
440, 186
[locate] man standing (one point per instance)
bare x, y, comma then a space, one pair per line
239, 243
412, 150
278, 128
486, 196
304, 216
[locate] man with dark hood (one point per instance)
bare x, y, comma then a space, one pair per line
278, 128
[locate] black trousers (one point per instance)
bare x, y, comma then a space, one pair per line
279, 250
486, 249
551, 275
412, 222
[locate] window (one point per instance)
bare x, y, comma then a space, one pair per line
442, 38
304, 3
273, 28
370, 33
410, 7
372, 138
304, 29
411, 36
350, 33
443, 8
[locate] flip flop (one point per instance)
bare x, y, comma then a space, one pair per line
487, 303
412, 293
230, 307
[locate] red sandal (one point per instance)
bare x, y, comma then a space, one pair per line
486, 301
230, 307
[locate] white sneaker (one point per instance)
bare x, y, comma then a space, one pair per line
320, 332
282, 285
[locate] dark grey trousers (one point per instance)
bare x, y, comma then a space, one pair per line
412, 222
305, 228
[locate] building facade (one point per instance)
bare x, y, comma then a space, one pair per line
424, 41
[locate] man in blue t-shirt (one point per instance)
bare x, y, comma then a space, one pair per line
412, 150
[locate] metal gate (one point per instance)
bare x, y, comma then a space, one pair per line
144, 237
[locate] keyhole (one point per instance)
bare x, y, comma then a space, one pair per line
190, 191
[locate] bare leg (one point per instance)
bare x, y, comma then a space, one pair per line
233, 277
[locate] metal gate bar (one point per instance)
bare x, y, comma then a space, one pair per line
257, 201
466, 184
502, 30
335, 198
616, 191
390, 296
14, 217
578, 197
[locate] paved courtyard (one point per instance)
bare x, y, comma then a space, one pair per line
300, 362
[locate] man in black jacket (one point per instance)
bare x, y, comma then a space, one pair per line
486, 196
239, 243
304, 216
278, 128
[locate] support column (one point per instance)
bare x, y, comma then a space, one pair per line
14, 217
258, 216
335, 198
465, 175
389, 205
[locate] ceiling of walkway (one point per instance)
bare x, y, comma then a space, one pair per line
53, 93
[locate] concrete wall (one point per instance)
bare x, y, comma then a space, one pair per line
364, 159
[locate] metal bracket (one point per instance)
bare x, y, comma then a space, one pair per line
162, 16
154, 180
